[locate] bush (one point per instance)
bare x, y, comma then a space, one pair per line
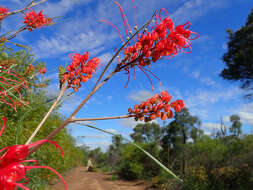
134, 164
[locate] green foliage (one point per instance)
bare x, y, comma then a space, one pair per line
99, 157
148, 132
235, 129
175, 139
106, 169
22, 123
222, 162
135, 164
114, 177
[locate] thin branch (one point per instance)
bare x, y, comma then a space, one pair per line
32, 4
103, 118
46, 116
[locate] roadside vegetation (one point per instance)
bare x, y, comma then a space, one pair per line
218, 161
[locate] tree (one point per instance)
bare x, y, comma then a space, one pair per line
235, 129
117, 141
114, 150
238, 58
148, 132
177, 134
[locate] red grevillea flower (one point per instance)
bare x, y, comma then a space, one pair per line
80, 70
43, 70
35, 20
158, 106
162, 39
11, 85
3, 12
12, 168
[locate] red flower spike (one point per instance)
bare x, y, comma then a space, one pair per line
162, 40
80, 70
3, 12
35, 20
43, 70
156, 106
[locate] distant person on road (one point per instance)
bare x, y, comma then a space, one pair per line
90, 165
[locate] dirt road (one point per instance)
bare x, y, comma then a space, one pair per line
80, 179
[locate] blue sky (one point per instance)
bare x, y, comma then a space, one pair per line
192, 77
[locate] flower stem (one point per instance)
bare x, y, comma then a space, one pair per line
96, 87
32, 4
103, 118
46, 116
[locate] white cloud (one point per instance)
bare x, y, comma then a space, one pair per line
52, 90
64, 43
246, 113
60, 8
112, 130
70, 103
106, 57
205, 80
195, 74
210, 126
208, 133
109, 97
131, 123
16, 1
98, 144
208, 81
141, 95
194, 9
224, 46
207, 97
226, 119
83, 33
97, 136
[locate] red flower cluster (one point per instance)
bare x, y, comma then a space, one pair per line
164, 39
158, 106
3, 12
12, 168
43, 70
80, 70
35, 20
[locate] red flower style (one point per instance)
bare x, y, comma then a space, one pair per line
11, 86
12, 168
3, 12
80, 70
158, 106
162, 40
35, 20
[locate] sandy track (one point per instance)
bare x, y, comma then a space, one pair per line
81, 179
